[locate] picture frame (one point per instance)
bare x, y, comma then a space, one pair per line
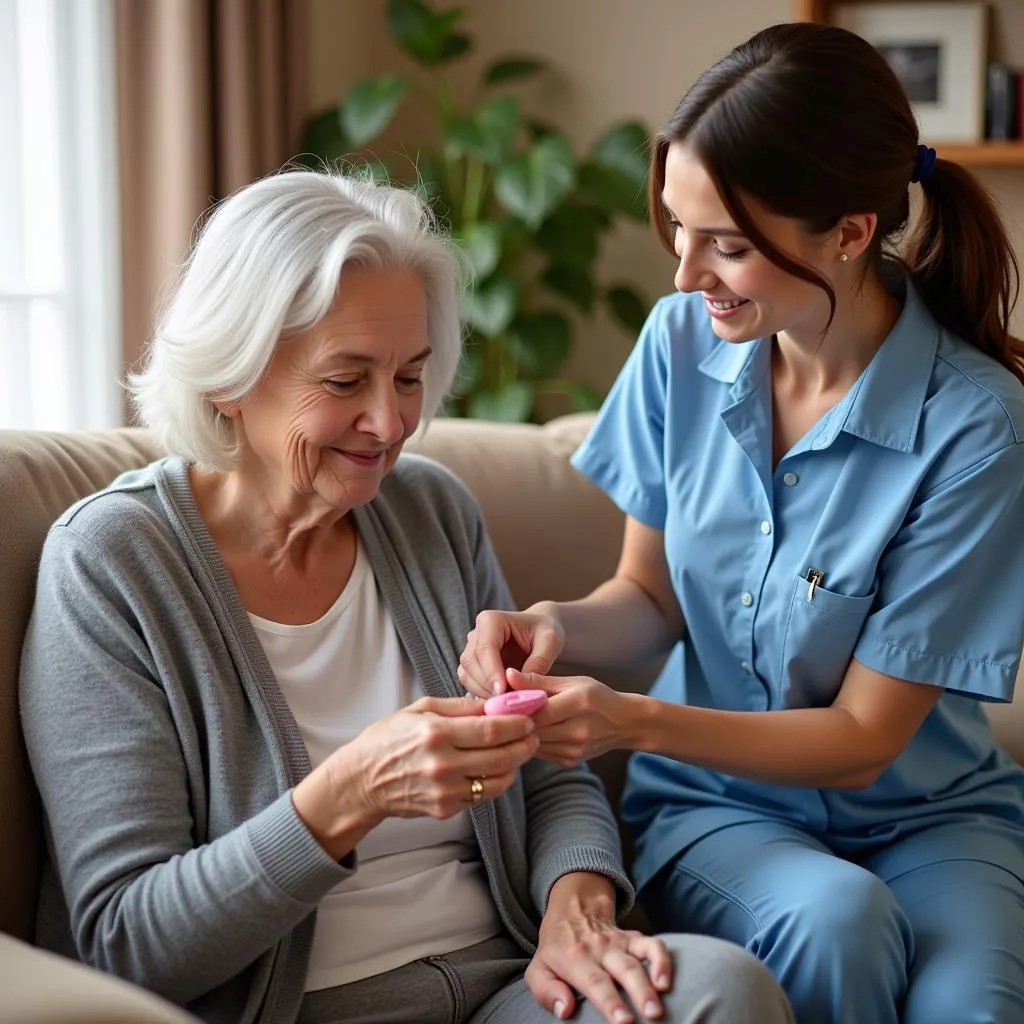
939, 52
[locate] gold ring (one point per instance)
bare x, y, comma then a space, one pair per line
476, 789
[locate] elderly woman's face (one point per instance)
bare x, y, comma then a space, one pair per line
337, 403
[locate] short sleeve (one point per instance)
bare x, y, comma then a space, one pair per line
950, 603
624, 454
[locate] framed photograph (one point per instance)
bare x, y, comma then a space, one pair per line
939, 52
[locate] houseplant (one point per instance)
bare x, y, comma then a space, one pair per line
528, 214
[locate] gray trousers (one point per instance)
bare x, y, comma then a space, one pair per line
716, 982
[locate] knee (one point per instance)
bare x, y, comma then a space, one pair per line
855, 920
718, 982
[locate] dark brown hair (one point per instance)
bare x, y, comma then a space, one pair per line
811, 122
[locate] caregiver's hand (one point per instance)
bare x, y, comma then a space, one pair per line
531, 640
582, 718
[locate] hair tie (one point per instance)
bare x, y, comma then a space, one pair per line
925, 163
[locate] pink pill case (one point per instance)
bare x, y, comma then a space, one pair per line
515, 702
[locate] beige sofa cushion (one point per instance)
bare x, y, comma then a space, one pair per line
40, 476
556, 534
41, 988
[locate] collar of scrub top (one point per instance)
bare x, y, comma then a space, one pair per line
884, 406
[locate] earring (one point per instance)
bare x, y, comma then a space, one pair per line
843, 257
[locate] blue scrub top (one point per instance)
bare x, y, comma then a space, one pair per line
908, 496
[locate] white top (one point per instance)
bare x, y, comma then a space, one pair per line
420, 887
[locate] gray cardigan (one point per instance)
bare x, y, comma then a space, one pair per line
165, 753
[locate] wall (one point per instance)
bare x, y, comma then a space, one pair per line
611, 59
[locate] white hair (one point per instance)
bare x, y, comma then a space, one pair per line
266, 265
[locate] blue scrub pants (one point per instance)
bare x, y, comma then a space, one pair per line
927, 929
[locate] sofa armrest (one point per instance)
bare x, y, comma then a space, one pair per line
43, 988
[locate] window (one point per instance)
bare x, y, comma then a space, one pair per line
60, 336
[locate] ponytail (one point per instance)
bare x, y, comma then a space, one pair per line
961, 263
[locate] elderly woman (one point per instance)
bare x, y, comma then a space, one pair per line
265, 798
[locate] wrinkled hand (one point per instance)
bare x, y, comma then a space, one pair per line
421, 760
529, 640
582, 950
582, 718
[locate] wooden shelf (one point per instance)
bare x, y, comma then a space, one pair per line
811, 10
978, 154
983, 154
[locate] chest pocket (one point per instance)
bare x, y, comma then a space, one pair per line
821, 633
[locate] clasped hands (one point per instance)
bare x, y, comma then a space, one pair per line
582, 718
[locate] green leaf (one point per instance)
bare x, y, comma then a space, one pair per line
515, 237
570, 235
370, 106
471, 368
511, 68
323, 140
512, 404
582, 397
411, 21
452, 46
628, 307
574, 285
425, 34
445, 20
462, 137
538, 129
489, 309
626, 148
498, 121
488, 135
532, 185
540, 342
613, 190
481, 242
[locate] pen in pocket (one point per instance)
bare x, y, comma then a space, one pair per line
815, 577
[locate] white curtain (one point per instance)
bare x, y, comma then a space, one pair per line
60, 301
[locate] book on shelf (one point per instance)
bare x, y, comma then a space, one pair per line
1020, 107
1003, 102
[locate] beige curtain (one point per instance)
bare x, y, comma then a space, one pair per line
211, 94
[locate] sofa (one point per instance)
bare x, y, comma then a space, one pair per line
555, 534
